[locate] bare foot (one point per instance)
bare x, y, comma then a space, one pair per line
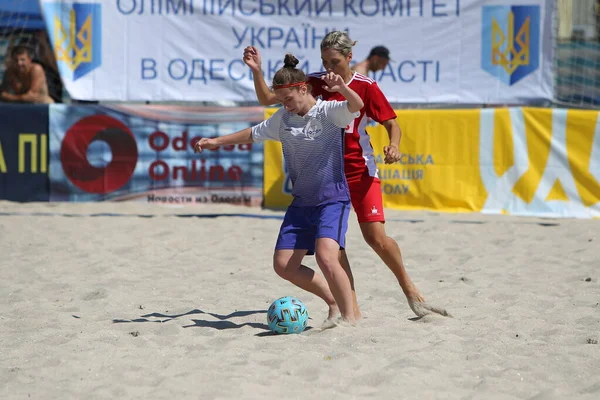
421, 308
334, 314
328, 324
339, 321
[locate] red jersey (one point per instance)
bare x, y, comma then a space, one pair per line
358, 154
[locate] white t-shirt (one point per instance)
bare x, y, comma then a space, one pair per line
313, 149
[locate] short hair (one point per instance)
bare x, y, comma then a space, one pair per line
22, 49
380, 51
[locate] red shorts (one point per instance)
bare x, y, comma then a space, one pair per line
366, 198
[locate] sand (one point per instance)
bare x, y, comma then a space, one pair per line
135, 301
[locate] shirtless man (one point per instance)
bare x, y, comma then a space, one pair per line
378, 59
25, 81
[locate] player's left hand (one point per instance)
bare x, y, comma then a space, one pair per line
334, 82
391, 154
252, 58
205, 144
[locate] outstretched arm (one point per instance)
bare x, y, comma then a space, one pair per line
241, 137
263, 93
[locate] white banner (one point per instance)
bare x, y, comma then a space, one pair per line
442, 51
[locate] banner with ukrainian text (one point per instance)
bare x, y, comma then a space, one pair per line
468, 51
145, 153
23, 152
519, 161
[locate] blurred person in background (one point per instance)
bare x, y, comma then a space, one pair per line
378, 59
24, 80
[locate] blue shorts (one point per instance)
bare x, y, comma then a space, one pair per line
302, 226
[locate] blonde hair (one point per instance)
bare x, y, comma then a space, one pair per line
338, 41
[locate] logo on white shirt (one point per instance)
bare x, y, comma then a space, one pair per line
313, 130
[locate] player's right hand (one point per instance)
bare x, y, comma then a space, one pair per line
335, 83
252, 58
205, 144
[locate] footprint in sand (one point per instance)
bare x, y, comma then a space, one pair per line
95, 295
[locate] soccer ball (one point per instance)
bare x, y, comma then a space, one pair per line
287, 315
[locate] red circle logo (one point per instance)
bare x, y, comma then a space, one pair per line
73, 154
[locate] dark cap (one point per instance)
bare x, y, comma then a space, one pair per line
380, 51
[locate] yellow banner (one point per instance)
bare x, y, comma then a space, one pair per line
522, 161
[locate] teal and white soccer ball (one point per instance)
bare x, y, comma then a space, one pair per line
287, 315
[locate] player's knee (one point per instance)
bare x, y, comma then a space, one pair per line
280, 270
327, 253
283, 267
328, 263
382, 242
375, 240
